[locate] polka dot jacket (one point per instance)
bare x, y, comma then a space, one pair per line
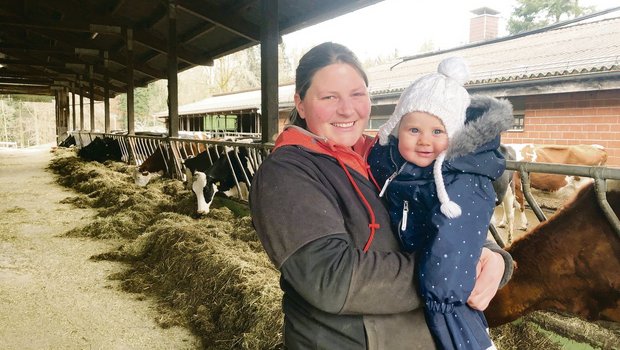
448, 249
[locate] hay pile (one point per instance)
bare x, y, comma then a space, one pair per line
210, 273
521, 335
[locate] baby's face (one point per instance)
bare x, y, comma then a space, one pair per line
421, 137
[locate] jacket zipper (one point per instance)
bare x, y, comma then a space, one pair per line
387, 182
403, 221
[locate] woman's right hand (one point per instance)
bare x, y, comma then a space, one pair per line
489, 273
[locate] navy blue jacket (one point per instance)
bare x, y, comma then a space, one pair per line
448, 249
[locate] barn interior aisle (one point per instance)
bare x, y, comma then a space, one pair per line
52, 296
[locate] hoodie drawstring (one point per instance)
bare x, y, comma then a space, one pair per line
372, 178
373, 222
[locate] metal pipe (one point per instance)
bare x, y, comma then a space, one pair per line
525, 188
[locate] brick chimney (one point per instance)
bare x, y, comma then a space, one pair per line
484, 25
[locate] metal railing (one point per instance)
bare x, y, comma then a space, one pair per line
598, 173
136, 149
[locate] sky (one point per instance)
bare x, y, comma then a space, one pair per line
407, 25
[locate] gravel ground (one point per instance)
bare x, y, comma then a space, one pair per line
52, 296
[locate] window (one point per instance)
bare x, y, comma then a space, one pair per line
518, 113
220, 122
376, 122
519, 122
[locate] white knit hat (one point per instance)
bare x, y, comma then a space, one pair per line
441, 94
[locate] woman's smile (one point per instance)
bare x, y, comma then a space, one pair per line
344, 125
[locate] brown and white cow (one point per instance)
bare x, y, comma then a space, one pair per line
560, 186
504, 187
569, 263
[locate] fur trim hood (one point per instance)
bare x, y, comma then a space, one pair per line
486, 118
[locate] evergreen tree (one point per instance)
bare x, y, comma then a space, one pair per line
534, 14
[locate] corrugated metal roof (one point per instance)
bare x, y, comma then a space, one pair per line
572, 50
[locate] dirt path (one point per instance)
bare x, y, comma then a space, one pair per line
51, 295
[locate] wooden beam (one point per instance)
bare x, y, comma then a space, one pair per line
144, 37
222, 19
74, 41
154, 42
130, 81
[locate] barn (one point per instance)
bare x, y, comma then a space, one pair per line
563, 82
94, 84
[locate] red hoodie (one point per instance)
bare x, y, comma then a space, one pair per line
352, 157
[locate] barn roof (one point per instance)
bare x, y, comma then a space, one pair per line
580, 49
573, 50
47, 45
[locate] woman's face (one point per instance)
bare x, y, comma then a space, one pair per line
336, 105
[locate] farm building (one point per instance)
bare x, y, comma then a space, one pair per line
563, 82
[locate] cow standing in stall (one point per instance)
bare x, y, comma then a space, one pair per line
569, 263
229, 172
559, 186
68, 142
504, 187
161, 160
101, 149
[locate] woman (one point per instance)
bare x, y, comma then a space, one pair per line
317, 212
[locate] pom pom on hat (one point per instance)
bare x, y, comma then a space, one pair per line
454, 68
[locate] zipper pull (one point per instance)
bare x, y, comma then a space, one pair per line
403, 221
387, 183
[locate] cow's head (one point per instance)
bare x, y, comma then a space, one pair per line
143, 177
204, 189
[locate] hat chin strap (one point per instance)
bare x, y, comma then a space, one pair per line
448, 207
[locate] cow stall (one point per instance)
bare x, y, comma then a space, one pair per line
600, 176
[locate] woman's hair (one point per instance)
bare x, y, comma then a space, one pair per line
319, 57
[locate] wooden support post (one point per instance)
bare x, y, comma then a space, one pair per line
269, 36
106, 93
92, 99
73, 115
130, 83
81, 106
173, 86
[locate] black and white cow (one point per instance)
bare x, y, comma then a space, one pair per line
228, 170
101, 149
68, 142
